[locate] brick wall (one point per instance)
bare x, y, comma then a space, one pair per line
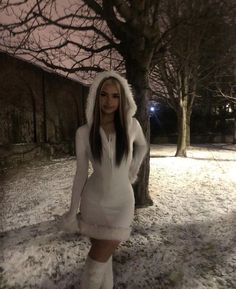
39, 110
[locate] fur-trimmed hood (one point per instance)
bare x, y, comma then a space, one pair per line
130, 105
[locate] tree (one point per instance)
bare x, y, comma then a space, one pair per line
221, 87
225, 88
87, 33
192, 54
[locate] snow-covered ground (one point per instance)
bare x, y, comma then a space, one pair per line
186, 240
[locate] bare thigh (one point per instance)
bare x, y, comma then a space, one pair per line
101, 250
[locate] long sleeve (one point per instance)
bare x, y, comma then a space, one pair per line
81, 174
140, 150
69, 222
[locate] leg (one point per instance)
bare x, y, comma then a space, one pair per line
97, 262
101, 250
107, 282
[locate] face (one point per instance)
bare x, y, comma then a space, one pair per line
109, 98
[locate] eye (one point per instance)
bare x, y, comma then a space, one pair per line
116, 95
102, 93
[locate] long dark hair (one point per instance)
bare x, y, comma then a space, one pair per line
120, 122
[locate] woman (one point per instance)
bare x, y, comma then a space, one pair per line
106, 198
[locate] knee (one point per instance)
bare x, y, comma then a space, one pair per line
101, 250
113, 243
109, 244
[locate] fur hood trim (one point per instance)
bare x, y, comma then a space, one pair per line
130, 105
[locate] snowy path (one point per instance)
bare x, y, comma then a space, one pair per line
186, 240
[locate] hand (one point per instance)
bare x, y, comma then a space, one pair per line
68, 215
69, 223
133, 177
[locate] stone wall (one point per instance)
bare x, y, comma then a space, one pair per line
40, 111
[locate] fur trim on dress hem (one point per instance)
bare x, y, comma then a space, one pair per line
74, 224
104, 232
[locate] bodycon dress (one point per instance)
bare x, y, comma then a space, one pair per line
106, 198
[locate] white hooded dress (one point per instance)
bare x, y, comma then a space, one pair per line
105, 199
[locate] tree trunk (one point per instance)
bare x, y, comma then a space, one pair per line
44, 108
188, 129
139, 82
222, 125
234, 127
182, 130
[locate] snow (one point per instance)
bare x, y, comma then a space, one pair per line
186, 240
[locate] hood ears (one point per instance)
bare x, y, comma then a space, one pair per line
130, 106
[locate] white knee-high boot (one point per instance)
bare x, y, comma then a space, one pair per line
107, 282
93, 274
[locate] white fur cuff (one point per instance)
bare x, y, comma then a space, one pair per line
69, 224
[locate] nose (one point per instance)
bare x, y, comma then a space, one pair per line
109, 100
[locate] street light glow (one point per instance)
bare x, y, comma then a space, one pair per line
152, 108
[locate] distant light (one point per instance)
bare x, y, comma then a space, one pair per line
152, 108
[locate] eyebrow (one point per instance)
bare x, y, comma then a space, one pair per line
116, 93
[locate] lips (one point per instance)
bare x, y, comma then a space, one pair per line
108, 107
